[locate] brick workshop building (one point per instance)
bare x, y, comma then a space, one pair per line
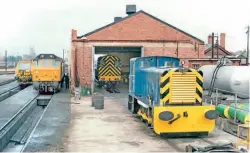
137, 34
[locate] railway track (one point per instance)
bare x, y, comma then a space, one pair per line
6, 82
179, 144
16, 125
9, 92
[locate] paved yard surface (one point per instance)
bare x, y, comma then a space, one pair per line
111, 129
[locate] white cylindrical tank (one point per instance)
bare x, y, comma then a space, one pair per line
230, 78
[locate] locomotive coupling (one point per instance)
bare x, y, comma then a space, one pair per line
168, 116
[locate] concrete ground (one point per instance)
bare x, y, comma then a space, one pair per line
50, 130
116, 129
111, 129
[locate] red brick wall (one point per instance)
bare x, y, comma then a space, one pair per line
83, 63
83, 51
138, 30
140, 27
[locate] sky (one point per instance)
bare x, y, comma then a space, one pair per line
47, 24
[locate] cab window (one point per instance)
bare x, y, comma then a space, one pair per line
169, 64
46, 63
55, 63
37, 63
24, 66
117, 63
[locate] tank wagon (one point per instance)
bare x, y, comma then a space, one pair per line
168, 97
230, 78
23, 73
47, 72
108, 72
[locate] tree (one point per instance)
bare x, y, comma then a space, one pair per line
18, 58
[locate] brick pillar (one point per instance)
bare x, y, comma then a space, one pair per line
223, 40
73, 34
209, 39
73, 64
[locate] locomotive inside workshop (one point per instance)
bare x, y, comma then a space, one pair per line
23, 73
168, 97
108, 72
47, 73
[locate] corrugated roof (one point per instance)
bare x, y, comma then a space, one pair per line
141, 11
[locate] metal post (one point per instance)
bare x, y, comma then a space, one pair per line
235, 99
212, 45
63, 54
216, 96
247, 62
217, 42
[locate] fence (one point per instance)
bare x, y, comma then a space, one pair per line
219, 100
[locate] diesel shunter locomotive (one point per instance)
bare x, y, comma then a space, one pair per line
108, 72
168, 97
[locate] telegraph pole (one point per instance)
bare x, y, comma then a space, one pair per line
63, 54
217, 42
247, 45
212, 45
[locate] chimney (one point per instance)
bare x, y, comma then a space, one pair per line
117, 19
222, 40
209, 39
73, 34
130, 9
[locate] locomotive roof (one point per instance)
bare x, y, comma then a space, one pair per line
162, 69
159, 69
48, 56
133, 59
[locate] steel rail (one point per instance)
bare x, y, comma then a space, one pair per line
16, 114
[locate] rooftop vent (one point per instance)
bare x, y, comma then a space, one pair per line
116, 19
130, 9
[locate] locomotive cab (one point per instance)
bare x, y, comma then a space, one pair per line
48, 71
23, 72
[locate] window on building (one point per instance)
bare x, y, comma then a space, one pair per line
169, 64
196, 66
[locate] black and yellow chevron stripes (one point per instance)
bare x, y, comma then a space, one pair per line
109, 68
180, 88
165, 85
199, 86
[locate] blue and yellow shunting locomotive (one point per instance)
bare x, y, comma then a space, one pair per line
108, 72
168, 97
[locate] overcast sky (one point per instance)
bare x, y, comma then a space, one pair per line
47, 24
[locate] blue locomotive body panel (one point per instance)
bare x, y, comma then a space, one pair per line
144, 78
